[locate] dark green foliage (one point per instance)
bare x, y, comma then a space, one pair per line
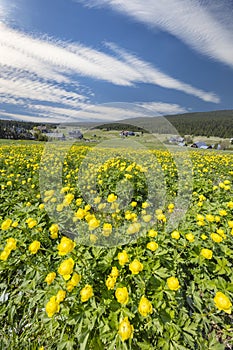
13, 129
215, 123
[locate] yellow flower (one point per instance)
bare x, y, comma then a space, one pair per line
201, 223
173, 283
78, 201
101, 206
200, 217
80, 213
123, 258
227, 182
87, 207
68, 199
128, 215
222, 212
190, 237
145, 205
230, 224
61, 294
49, 193
66, 268
75, 279
11, 244
202, 197
210, 218
59, 207
133, 204
152, 233
54, 231
207, 253
73, 282
145, 306
222, 302
41, 206
31, 222
128, 176
6, 224
125, 329
204, 237
65, 246
147, 218
86, 293
175, 235
110, 282
135, 266
122, 295
230, 204
111, 198
4, 255
152, 246
89, 217
50, 277
221, 232
133, 228
69, 286
52, 307
114, 272
107, 229
171, 207
34, 247
216, 238
15, 224
93, 224
161, 217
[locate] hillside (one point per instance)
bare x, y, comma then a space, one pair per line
215, 123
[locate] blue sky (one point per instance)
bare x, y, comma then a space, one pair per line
98, 60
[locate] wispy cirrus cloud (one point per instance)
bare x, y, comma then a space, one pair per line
205, 26
108, 112
48, 70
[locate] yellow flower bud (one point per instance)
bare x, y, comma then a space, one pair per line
173, 283
86, 293
122, 295
135, 266
222, 302
125, 329
145, 306
34, 247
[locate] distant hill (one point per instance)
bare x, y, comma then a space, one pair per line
214, 123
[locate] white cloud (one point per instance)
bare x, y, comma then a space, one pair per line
46, 70
108, 112
206, 26
154, 76
40, 75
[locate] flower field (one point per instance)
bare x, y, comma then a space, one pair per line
97, 255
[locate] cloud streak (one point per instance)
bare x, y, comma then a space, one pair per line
108, 112
35, 68
42, 75
205, 26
